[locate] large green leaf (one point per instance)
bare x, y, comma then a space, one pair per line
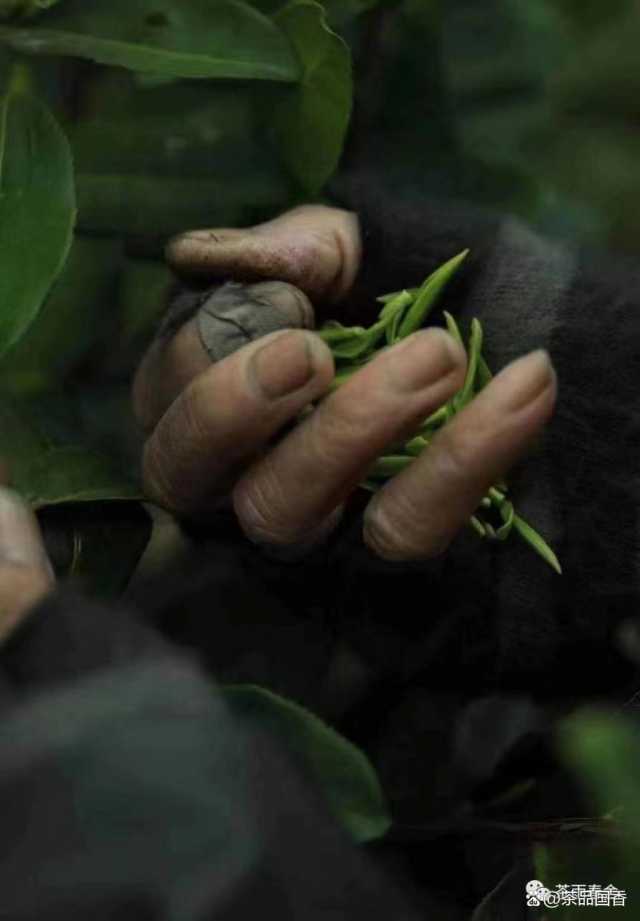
311, 121
71, 474
603, 748
74, 317
21, 441
158, 161
202, 38
341, 770
149, 205
37, 209
11, 8
339, 12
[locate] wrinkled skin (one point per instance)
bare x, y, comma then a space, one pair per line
213, 427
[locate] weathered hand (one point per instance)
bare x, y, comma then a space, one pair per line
212, 427
26, 575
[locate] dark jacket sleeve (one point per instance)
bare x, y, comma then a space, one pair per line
497, 613
129, 790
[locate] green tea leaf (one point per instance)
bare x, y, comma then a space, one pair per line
389, 466
536, 541
393, 312
428, 294
351, 342
415, 446
473, 352
225, 39
311, 121
484, 373
507, 513
37, 209
453, 328
477, 525
604, 749
340, 770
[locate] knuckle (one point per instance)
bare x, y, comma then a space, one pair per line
387, 536
194, 411
335, 433
453, 453
158, 483
259, 506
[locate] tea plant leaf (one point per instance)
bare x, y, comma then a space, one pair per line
484, 373
75, 315
341, 770
475, 344
536, 541
71, 474
428, 294
24, 8
393, 312
453, 328
172, 38
603, 748
311, 121
352, 342
413, 306
21, 441
389, 466
37, 209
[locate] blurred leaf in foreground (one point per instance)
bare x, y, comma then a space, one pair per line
37, 208
311, 121
341, 771
15, 8
71, 474
225, 39
71, 321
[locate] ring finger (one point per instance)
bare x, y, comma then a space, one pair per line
287, 494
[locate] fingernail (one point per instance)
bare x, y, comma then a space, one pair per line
424, 358
287, 363
306, 544
525, 379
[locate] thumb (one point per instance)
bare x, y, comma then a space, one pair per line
313, 247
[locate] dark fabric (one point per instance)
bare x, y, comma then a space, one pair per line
129, 791
498, 615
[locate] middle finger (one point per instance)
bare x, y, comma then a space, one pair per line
284, 496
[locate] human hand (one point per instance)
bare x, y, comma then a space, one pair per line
26, 575
212, 427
